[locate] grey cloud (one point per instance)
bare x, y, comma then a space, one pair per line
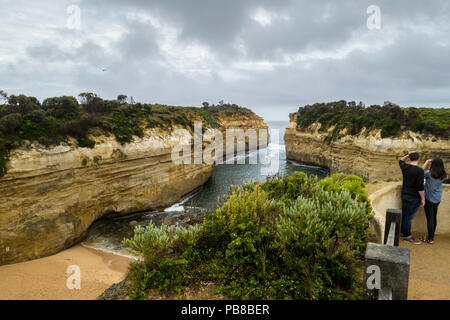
405, 62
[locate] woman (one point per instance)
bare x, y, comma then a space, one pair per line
433, 194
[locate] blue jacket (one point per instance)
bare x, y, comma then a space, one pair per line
433, 188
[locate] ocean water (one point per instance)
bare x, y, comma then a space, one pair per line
107, 234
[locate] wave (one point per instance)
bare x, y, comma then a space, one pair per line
179, 207
112, 251
304, 165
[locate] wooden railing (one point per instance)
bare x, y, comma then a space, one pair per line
386, 274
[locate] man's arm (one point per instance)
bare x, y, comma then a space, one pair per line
420, 187
402, 162
422, 196
405, 158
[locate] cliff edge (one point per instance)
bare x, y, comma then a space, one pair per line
366, 154
51, 195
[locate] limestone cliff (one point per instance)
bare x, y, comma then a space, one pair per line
50, 196
366, 155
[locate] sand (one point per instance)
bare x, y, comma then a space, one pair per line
45, 279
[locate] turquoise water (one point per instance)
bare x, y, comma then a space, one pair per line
107, 234
225, 175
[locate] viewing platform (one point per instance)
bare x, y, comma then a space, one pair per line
390, 198
429, 278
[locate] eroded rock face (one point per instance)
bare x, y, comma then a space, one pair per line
368, 156
50, 197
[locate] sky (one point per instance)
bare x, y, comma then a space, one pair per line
269, 56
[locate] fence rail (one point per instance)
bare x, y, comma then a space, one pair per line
387, 265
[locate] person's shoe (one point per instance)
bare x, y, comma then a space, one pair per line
410, 239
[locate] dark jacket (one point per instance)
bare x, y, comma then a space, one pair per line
413, 179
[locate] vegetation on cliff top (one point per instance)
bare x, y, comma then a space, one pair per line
391, 119
55, 119
288, 238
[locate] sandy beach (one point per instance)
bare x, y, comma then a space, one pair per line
45, 279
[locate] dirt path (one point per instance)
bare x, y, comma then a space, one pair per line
429, 274
45, 279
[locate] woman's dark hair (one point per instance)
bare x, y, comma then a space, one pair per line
437, 169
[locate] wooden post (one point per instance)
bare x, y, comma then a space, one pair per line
391, 236
393, 215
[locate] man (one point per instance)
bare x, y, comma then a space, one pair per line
413, 195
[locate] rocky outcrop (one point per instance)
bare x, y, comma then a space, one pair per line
50, 196
366, 155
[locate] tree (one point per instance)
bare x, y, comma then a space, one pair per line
3, 96
11, 122
87, 97
23, 104
37, 116
61, 107
205, 105
121, 98
92, 103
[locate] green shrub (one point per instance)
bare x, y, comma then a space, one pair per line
23, 118
356, 185
289, 238
3, 161
389, 118
96, 160
159, 270
11, 122
62, 107
85, 142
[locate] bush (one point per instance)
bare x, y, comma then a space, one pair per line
36, 116
85, 142
389, 118
356, 185
289, 238
62, 107
159, 270
3, 161
22, 104
11, 122
23, 118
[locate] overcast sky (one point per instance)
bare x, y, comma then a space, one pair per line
270, 56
